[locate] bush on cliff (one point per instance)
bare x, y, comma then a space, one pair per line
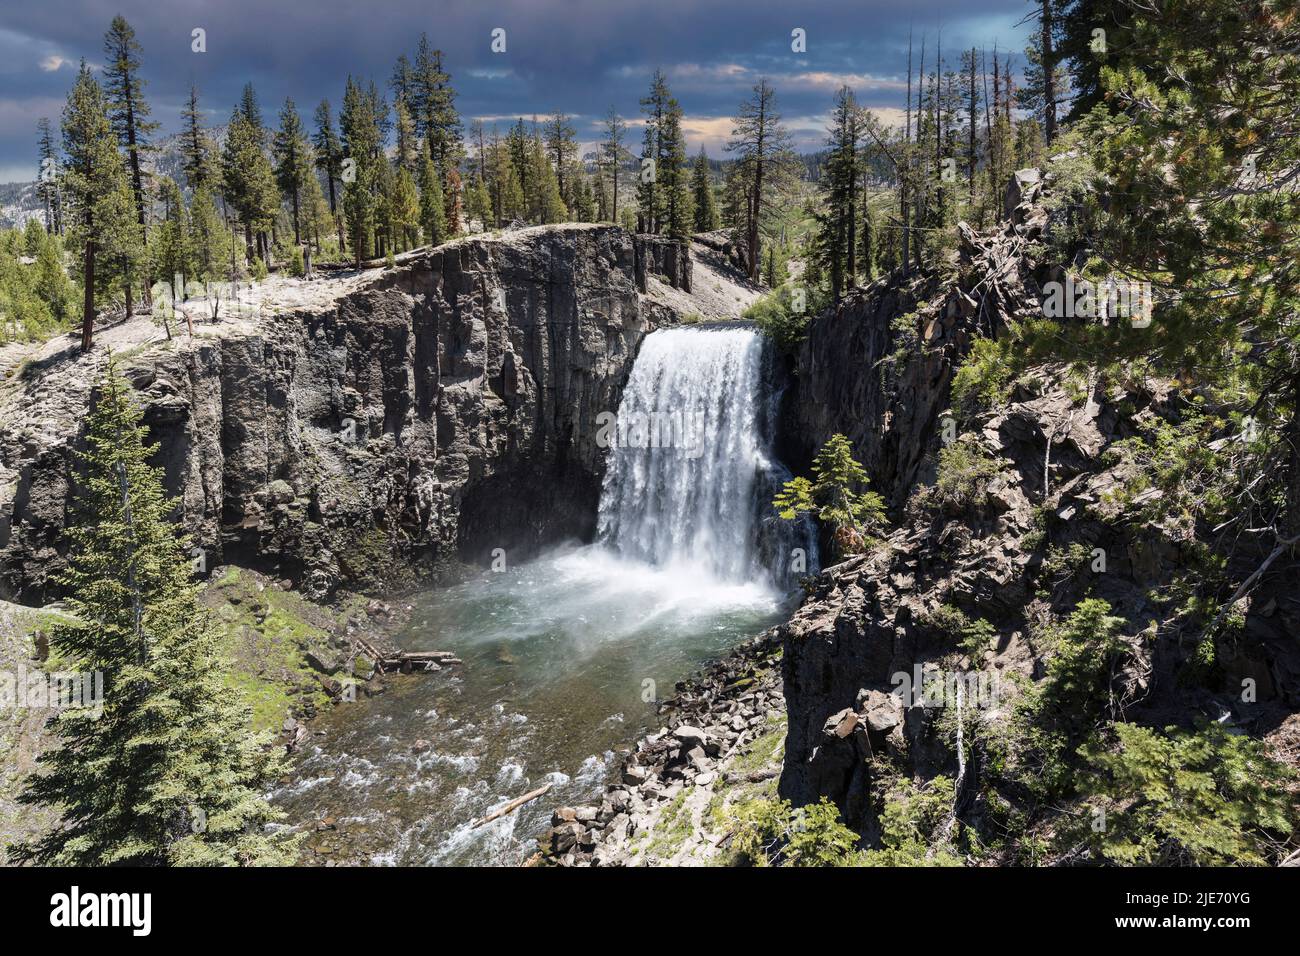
1206, 797
771, 832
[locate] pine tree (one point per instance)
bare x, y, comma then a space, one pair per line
762, 144
404, 125
385, 226
600, 199
1085, 51
507, 193
361, 141
852, 516
970, 72
649, 200
173, 248
129, 113
558, 135
402, 82
836, 243
432, 217
1045, 75
1202, 206
209, 237
706, 210
433, 101
317, 220
545, 204
406, 209
168, 773
293, 162
674, 188
47, 177
611, 154
248, 180
196, 148
329, 160
99, 195
329, 151
478, 204
518, 143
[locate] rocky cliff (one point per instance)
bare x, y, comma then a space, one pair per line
380, 424
1003, 519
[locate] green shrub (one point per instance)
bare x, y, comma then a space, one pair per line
1205, 797
770, 832
776, 317
984, 377
910, 819
965, 468
1054, 716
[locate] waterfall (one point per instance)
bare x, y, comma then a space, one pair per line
691, 470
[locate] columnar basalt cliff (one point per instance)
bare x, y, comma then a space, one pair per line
403, 420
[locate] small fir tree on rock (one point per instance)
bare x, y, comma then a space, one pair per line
854, 517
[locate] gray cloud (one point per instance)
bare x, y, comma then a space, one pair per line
579, 56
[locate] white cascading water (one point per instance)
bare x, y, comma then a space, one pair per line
689, 456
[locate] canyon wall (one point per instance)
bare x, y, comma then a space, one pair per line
414, 418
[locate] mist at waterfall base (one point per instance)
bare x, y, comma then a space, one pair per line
564, 656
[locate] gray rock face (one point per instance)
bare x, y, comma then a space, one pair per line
427, 414
1039, 529
847, 383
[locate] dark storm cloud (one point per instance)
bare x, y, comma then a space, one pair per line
579, 56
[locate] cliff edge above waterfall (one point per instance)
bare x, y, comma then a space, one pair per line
352, 428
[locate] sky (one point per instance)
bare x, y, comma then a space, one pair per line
579, 57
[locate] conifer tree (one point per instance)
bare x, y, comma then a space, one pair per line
385, 226
129, 113
649, 200
478, 204
1045, 75
293, 162
329, 151
545, 204
600, 199
317, 219
433, 101
561, 147
168, 773
433, 220
706, 210
248, 179
762, 144
329, 160
196, 147
209, 238
518, 143
404, 126
406, 210
674, 188
611, 152
836, 243
98, 192
173, 248
361, 143
506, 190
47, 177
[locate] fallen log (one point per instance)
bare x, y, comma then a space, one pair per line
513, 805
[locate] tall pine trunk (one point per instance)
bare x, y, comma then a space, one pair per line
88, 308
